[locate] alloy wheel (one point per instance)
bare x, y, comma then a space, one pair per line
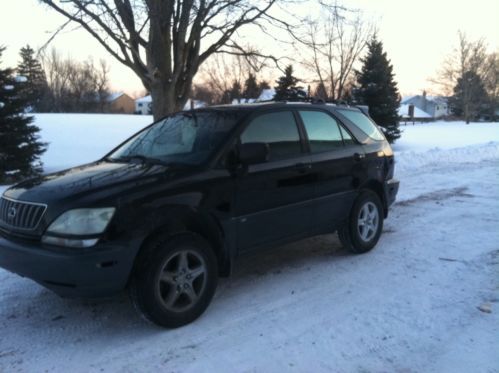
368, 221
182, 280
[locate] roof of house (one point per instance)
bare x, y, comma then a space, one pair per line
147, 98
115, 95
403, 111
435, 99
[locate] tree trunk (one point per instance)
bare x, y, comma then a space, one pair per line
164, 101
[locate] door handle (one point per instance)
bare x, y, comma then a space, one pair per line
359, 156
303, 167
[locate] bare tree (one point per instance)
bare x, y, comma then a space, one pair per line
75, 86
330, 44
221, 71
101, 84
164, 42
490, 79
468, 55
468, 63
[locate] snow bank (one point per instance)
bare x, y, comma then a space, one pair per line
412, 160
445, 135
428, 144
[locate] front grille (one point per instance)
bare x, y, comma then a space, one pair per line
20, 214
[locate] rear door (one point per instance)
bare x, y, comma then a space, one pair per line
337, 162
274, 198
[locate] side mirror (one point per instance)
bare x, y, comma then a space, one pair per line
253, 153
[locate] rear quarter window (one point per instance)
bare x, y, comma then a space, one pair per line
363, 122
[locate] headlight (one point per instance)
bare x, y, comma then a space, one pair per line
82, 222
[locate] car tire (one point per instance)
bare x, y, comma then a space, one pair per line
362, 231
174, 279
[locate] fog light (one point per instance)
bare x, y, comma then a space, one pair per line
69, 242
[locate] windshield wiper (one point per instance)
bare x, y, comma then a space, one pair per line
139, 157
148, 160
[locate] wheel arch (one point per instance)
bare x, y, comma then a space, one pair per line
377, 187
181, 219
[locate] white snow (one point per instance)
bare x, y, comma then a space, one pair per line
21, 79
426, 144
267, 94
410, 305
80, 138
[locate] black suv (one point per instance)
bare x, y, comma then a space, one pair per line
168, 211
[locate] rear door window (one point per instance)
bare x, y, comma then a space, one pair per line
324, 132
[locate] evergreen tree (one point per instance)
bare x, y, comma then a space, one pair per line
235, 91
470, 97
377, 89
251, 87
321, 92
263, 85
34, 90
287, 89
20, 148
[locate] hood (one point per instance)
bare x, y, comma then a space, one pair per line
90, 179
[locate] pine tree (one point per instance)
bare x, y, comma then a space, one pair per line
251, 87
286, 89
470, 97
34, 90
235, 91
20, 148
377, 89
321, 92
263, 85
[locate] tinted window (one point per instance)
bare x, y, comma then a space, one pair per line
322, 130
364, 123
278, 130
347, 138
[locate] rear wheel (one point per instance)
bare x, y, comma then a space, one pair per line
363, 229
174, 280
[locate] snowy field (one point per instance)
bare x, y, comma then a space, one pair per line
425, 300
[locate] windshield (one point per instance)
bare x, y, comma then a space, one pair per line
187, 138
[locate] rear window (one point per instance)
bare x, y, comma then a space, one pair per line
364, 123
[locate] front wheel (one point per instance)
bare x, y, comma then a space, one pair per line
174, 279
365, 223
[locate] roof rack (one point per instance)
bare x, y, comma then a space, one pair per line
312, 100
316, 100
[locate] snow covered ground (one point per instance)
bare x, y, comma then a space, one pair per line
75, 139
410, 305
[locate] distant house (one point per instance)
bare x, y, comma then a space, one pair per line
404, 112
143, 105
120, 102
434, 106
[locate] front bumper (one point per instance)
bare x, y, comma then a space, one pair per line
102, 270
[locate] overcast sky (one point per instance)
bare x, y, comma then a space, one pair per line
417, 35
